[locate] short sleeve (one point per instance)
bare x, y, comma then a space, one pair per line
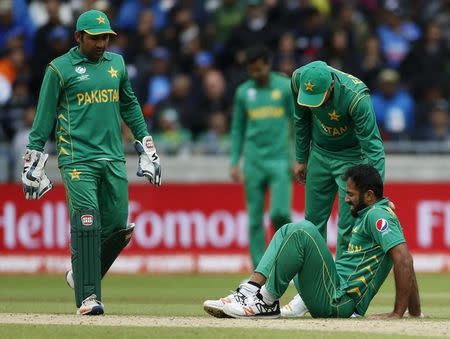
384, 228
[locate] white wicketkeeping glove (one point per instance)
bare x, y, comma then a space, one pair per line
35, 181
148, 164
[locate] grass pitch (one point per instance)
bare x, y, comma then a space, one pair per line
177, 296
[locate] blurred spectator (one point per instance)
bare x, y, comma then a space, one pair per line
310, 32
255, 28
130, 9
439, 127
226, 17
430, 96
353, 23
54, 38
393, 106
158, 83
397, 33
172, 138
286, 56
15, 21
439, 12
216, 139
44, 11
180, 100
14, 65
339, 54
428, 61
214, 98
372, 62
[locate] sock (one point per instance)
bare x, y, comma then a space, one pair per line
268, 298
249, 287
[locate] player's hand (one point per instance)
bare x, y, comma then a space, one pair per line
148, 164
236, 174
300, 172
34, 180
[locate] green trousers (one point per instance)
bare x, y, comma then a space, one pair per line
323, 180
259, 177
94, 190
298, 251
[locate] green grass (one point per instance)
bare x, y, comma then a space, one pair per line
172, 295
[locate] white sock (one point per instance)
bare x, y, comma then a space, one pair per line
268, 298
248, 288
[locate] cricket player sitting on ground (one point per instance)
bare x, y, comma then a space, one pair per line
335, 128
87, 92
331, 289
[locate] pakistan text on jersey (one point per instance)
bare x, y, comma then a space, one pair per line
266, 112
98, 96
334, 131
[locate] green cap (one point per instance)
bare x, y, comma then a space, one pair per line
315, 80
94, 22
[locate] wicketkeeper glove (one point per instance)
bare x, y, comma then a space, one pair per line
148, 163
34, 180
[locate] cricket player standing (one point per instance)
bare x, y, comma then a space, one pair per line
261, 129
335, 128
87, 92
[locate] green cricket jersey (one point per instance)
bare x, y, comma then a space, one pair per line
345, 126
365, 265
260, 126
87, 99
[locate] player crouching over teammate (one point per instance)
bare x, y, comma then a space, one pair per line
332, 289
87, 93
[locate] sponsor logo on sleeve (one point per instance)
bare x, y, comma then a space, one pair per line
382, 225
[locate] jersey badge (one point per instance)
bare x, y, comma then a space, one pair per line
113, 72
276, 94
382, 225
334, 116
74, 174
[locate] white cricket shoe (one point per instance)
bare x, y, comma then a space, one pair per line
215, 307
91, 306
295, 308
69, 279
255, 308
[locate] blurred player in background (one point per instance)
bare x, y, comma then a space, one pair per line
87, 92
261, 130
340, 289
335, 128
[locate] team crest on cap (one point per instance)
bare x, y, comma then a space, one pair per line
382, 225
100, 19
309, 86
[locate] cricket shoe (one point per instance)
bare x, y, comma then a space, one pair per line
69, 279
295, 308
255, 308
242, 293
91, 306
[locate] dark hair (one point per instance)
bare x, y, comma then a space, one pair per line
257, 52
366, 177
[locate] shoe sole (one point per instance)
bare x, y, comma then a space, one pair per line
215, 312
275, 316
96, 310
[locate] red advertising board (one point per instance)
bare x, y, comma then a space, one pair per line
198, 227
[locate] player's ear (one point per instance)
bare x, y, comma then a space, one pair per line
369, 197
78, 36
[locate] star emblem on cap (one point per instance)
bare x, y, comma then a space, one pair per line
334, 116
309, 86
101, 20
75, 174
113, 72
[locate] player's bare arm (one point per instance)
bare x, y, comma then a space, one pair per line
405, 288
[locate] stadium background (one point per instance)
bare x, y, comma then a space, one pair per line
185, 60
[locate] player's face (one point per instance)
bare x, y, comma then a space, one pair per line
92, 46
258, 71
354, 198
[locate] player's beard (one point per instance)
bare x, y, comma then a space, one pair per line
356, 208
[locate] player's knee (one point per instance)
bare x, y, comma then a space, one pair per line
297, 226
85, 219
280, 219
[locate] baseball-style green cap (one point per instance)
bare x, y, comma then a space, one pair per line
94, 22
315, 80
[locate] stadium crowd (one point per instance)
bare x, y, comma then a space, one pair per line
185, 59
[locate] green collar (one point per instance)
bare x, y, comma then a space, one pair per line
382, 202
76, 57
